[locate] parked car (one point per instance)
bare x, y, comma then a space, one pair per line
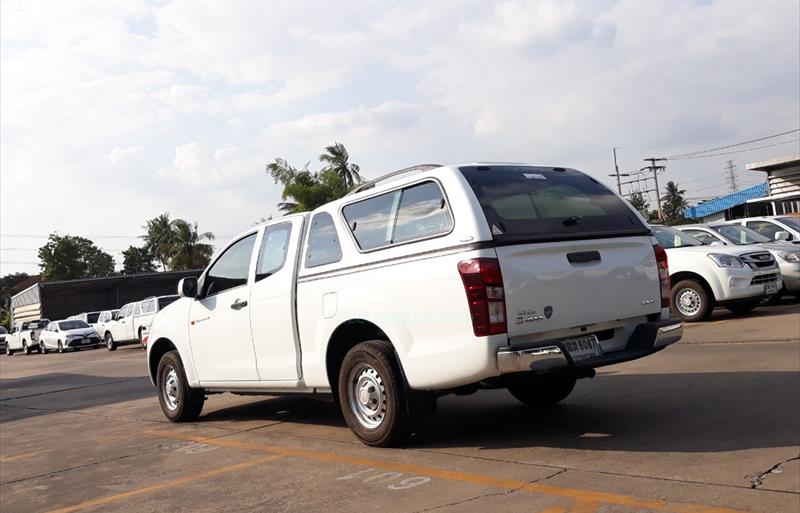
105, 317
785, 227
504, 272
120, 330
66, 335
149, 308
90, 318
787, 255
703, 277
24, 336
3, 333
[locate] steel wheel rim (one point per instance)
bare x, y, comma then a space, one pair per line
169, 389
367, 395
688, 302
109, 341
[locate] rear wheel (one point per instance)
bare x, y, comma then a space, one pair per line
691, 302
9, 351
542, 391
25, 348
372, 394
110, 344
42, 347
743, 307
179, 402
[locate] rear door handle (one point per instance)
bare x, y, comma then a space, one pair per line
238, 305
583, 257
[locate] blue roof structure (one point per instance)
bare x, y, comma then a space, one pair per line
726, 202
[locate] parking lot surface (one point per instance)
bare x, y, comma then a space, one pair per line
710, 425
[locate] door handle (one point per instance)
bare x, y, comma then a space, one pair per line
583, 257
238, 304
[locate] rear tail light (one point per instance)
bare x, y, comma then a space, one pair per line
483, 284
144, 340
663, 274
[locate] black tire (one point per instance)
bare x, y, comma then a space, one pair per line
42, 348
9, 351
542, 391
696, 304
111, 344
743, 307
60, 347
188, 401
373, 364
25, 349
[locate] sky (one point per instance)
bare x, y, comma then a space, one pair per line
112, 112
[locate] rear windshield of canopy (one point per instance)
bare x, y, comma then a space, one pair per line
525, 203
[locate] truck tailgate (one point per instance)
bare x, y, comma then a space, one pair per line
556, 285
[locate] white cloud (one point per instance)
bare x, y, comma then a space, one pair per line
183, 99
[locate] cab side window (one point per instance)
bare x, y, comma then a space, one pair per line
765, 228
274, 246
231, 268
137, 309
148, 306
323, 241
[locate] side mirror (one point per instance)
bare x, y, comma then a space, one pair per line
187, 287
782, 235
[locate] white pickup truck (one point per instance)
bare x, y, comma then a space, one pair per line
706, 276
24, 336
431, 280
133, 320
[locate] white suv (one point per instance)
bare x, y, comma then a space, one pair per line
706, 276
434, 279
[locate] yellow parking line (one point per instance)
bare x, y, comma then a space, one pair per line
163, 486
585, 500
4, 459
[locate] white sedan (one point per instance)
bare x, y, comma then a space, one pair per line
66, 335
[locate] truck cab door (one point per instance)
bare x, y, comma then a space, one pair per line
219, 318
272, 302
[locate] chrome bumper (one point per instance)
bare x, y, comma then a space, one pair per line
646, 339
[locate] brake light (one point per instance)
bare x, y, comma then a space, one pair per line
483, 283
144, 340
663, 274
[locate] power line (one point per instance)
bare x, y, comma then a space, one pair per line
685, 155
735, 151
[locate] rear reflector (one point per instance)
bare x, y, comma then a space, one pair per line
663, 274
483, 284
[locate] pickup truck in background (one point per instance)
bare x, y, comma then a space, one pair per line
428, 281
24, 336
133, 320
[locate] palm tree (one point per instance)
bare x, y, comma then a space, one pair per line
188, 250
674, 204
338, 161
159, 238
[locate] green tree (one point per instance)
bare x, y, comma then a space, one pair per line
137, 260
305, 190
673, 205
189, 251
640, 203
6, 283
338, 161
68, 257
159, 239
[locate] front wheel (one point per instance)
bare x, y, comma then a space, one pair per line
542, 391
743, 307
691, 302
110, 344
179, 402
42, 347
9, 351
372, 394
60, 347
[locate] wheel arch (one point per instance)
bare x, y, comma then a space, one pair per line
158, 349
688, 275
346, 336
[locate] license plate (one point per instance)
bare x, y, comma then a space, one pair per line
772, 288
580, 348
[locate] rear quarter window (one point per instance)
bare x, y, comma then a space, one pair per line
323, 242
412, 213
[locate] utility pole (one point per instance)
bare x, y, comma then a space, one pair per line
731, 178
616, 170
655, 170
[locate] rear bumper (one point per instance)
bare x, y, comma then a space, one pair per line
646, 339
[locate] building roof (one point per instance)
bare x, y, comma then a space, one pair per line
774, 164
726, 202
